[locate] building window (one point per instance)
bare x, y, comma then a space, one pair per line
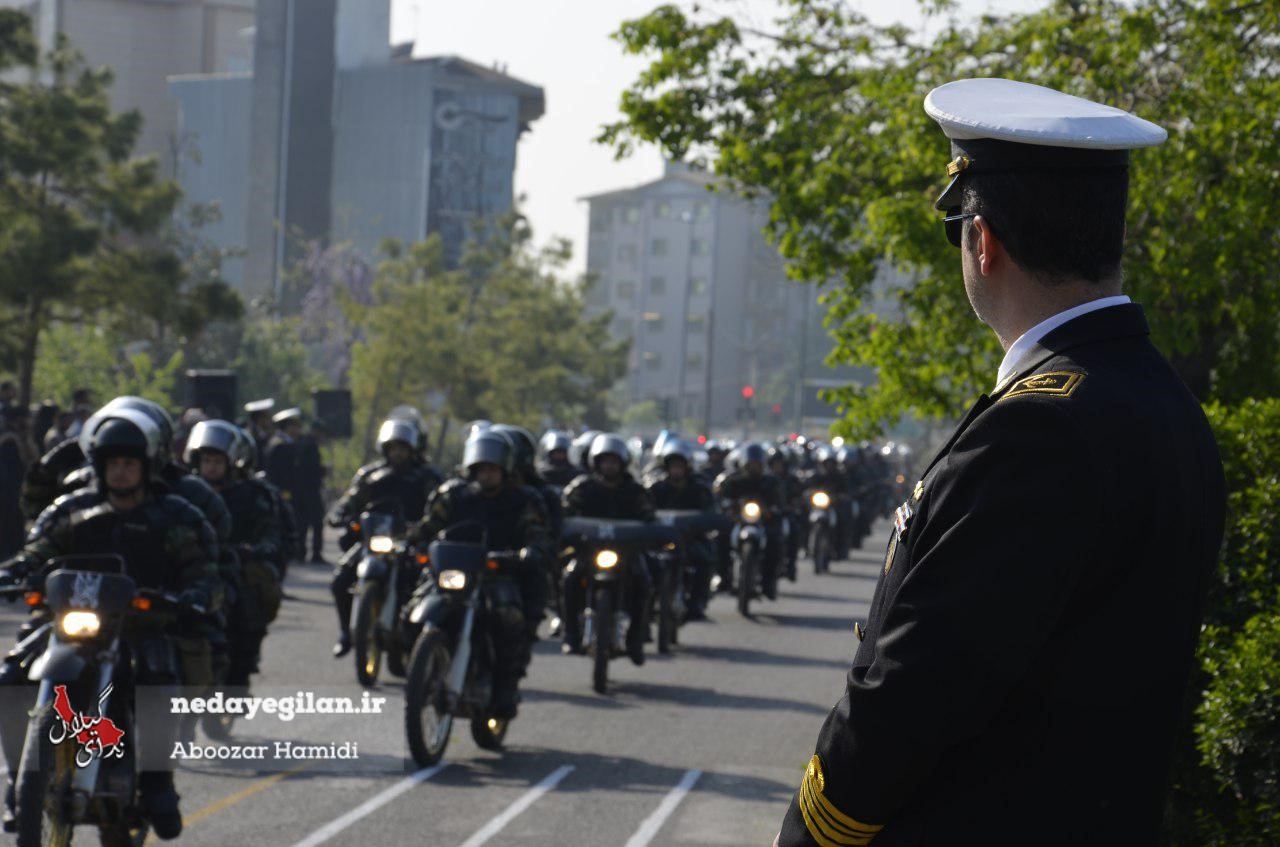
701, 209
652, 321
631, 214
698, 246
599, 221
662, 209
657, 285
652, 361
693, 361
658, 247
626, 289
626, 253
697, 323
698, 285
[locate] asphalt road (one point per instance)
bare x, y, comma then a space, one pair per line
704, 747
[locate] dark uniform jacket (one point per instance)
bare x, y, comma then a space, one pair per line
280, 461
589, 496
513, 518
688, 494
411, 486
257, 531
1021, 675
558, 475
740, 485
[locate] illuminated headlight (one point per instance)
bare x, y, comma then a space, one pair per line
80, 624
452, 580
751, 511
381, 544
820, 499
606, 559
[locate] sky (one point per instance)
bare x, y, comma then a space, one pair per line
564, 47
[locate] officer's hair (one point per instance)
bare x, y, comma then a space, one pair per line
1057, 227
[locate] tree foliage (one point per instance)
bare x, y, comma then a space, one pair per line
503, 336
85, 235
823, 113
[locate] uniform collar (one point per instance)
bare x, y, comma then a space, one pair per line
1025, 347
1125, 320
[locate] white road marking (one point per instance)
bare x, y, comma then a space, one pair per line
649, 828
495, 826
370, 806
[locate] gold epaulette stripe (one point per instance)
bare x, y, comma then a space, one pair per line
828, 825
823, 829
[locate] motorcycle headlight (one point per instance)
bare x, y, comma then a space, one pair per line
751, 511
381, 544
452, 580
80, 624
820, 499
606, 559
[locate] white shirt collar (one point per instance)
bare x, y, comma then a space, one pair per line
1028, 339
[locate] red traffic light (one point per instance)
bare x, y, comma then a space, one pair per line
777, 408
702, 439
748, 392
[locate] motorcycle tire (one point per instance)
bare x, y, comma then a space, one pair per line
748, 577
217, 727
488, 733
424, 689
45, 769
602, 635
364, 634
120, 834
666, 611
821, 551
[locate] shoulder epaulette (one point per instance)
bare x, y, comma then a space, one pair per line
1057, 383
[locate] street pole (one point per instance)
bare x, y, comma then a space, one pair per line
688, 218
804, 361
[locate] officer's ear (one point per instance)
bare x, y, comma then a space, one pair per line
987, 248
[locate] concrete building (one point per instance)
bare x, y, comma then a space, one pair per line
336, 136
144, 42
706, 302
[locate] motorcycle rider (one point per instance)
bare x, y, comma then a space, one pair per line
222, 455
828, 477
403, 475
158, 534
793, 504
676, 487
748, 481
555, 467
611, 492
513, 518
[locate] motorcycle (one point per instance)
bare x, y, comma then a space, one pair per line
612, 548
749, 539
677, 575
450, 671
385, 576
822, 530
76, 769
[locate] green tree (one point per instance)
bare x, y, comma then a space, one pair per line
823, 113
503, 336
83, 226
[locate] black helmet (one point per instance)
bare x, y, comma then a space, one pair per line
403, 430
781, 453
607, 443
554, 439
153, 410
523, 447
581, 447
714, 446
244, 451
486, 445
215, 435
752, 452
674, 448
125, 432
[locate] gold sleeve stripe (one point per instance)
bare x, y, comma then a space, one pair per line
828, 825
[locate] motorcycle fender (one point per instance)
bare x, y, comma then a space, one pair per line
371, 567
817, 516
606, 576
751, 533
434, 610
59, 663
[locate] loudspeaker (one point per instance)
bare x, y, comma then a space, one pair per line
333, 409
214, 392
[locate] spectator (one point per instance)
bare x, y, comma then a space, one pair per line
310, 502
61, 429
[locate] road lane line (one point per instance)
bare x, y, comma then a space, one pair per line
495, 826
649, 828
369, 806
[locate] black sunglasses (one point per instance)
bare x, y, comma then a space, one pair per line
954, 225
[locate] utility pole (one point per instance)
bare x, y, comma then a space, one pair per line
688, 217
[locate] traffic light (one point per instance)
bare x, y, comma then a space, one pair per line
777, 411
748, 392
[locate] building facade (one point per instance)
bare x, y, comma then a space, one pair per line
707, 305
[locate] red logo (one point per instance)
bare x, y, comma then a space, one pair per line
98, 737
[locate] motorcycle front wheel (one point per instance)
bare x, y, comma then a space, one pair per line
602, 635
365, 634
488, 733
666, 609
427, 721
821, 550
748, 578
44, 776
